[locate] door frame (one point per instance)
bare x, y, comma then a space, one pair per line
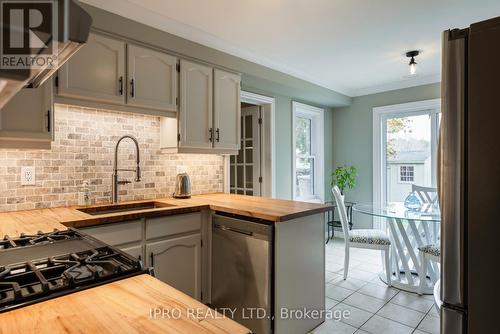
379, 164
268, 143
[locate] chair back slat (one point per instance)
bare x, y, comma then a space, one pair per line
426, 195
339, 201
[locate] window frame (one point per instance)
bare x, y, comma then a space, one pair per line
316, 115
380, 115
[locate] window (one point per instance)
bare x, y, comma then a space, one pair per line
308, 142
407, 174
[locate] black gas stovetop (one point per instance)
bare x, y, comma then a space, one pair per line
37, 267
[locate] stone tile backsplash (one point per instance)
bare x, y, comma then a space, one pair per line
83, 149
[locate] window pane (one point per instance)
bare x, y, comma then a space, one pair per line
249, 177
303, 136
408, 155
248, 127
304, 177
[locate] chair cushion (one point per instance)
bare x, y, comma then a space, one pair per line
433, 249
369, 236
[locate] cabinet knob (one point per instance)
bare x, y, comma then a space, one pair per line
152, 257
217, 138
211, 138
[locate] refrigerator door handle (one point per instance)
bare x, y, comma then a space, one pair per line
451, 169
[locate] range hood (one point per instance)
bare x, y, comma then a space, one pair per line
72, 25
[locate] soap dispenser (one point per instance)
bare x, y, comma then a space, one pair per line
84, 195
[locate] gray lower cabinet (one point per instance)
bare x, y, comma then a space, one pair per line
170, 244
177, 262
96, 72
136, 251
118, 233
27, 121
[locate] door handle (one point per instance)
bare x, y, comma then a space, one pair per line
120, 85
132, 87
218, 135
211, 131
152, 258
232, 229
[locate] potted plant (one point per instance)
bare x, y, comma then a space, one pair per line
344, 177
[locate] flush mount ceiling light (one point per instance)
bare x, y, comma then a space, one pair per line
413, 63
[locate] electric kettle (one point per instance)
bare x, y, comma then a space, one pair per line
182, 186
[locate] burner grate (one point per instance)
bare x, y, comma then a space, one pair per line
36, 239
35, 280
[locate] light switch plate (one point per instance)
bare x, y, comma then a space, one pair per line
28, 176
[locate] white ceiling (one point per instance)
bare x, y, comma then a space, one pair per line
353, 47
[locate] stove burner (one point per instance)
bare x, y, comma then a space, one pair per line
39, 238
35, 280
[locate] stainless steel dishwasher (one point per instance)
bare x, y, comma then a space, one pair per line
242, 271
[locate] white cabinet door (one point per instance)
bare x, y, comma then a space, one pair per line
96, 72
152, 78
27, 119
227, 111
135, 251
177, 262
195, 114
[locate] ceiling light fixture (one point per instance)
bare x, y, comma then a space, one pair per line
413, 63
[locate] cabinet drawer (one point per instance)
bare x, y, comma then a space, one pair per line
169, 225
117, 234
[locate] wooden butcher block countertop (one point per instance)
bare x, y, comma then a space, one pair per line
45, 220
120, 307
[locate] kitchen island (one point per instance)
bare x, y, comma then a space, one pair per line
298, 244
140, 304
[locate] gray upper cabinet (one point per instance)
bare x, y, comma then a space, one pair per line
96, 72
27, 120
152, 78
227, 110
195, 114
111, 72
177, 262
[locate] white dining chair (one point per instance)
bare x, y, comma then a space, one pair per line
426, 195
365, 238
428, 253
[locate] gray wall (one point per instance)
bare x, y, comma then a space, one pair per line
352, 137
255, 78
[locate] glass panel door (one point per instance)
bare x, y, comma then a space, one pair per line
245, 168
410, 146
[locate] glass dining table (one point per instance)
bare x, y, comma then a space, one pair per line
408, 230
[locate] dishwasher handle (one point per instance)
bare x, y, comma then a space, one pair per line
232, 229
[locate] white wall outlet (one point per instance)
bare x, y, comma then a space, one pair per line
28, 176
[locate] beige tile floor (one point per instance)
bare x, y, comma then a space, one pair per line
374, 308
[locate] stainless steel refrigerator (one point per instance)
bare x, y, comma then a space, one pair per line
469, 179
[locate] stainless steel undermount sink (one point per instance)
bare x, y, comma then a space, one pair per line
128, 207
